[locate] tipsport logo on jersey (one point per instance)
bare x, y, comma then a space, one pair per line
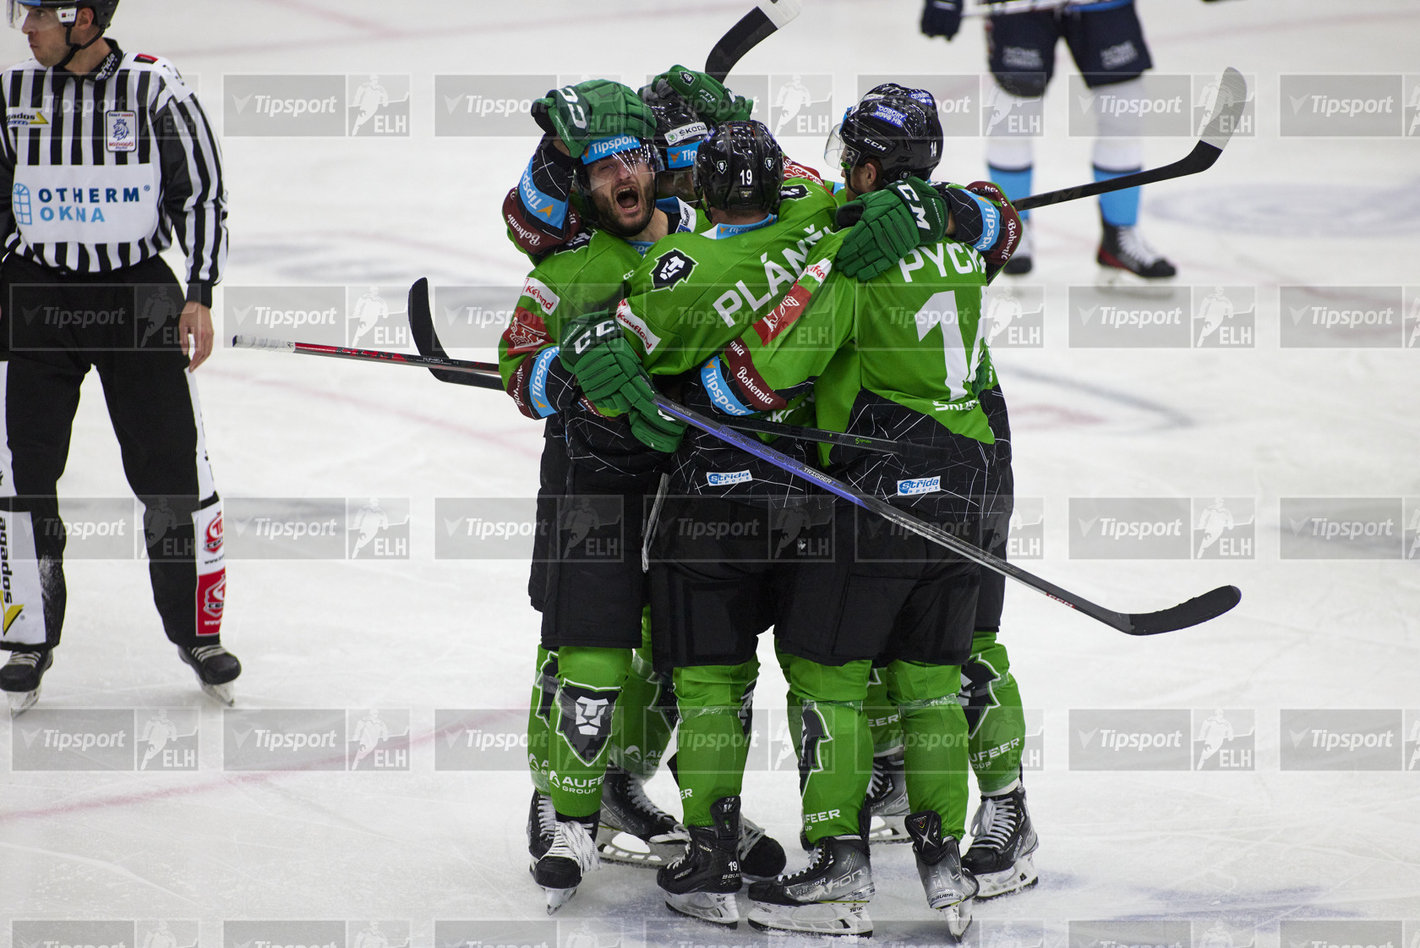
316, 106
92, 739
315, 739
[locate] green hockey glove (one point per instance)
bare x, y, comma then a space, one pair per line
887, 224
706, 94
653, 429
598, 108
599, 357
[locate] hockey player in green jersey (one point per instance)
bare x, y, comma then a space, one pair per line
893, 356
591, 602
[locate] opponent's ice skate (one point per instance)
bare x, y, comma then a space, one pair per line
1003, 844
216, 668
702, 883
827, 897
949, 888
1125, 257
20, 677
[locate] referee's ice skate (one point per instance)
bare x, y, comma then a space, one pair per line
216, 669
20, 677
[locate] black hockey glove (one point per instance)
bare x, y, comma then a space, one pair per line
941, 18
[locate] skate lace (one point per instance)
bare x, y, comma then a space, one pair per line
995, 824
546, 816
750, 835
203, 652
24, 658
1132, 244
575, 843
636, 795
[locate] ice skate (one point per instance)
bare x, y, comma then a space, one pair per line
1126, 259
1020, 263
948, 887
633, 830
571, 856
887, 799
1003, 844
20, 677
827, 897
216, 668
542, 825
760, 855
702, 883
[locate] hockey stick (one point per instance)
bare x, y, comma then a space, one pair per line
446, 369
468, 373
1232, 98
754, 27
1198, 609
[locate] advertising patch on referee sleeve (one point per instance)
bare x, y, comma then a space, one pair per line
24, 118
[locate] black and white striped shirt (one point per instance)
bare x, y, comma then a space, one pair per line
99, 172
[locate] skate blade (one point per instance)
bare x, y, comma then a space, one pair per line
818, 918
22, 701
1018, 878
888, 829
957, 917
717, 907
222, 694
615, 846
556, 898
1129, 283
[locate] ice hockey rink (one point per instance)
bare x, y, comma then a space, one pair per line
1250, 782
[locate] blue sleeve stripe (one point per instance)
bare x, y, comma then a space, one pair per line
540, 205
718, 388
537, 384
990, 222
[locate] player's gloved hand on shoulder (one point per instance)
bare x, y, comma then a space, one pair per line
598, 108
1001, 229
706, 94
886, 224
941, 18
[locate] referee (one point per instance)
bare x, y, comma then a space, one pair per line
104, 157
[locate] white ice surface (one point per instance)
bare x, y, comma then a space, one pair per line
1248, 849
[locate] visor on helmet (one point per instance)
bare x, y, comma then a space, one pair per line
40, 17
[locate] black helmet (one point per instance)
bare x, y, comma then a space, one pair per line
103, 10
678, 132
740, 167
896, 126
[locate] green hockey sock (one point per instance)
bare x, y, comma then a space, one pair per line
995, 720
934, 740
883, 721
712, 744
835, 749
588, 683
544, 690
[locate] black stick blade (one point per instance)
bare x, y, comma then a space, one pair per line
746, 34
426, 338
1197, 610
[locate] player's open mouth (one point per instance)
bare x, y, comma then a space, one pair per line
628, 198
